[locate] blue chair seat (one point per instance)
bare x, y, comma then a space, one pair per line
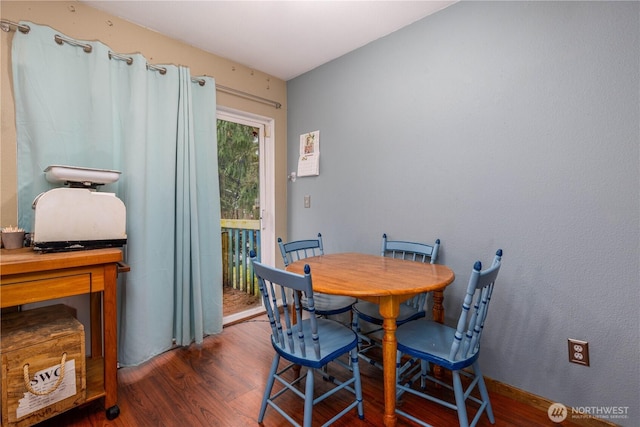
328, 305
456, 349
435, 347
336, 341
370, 312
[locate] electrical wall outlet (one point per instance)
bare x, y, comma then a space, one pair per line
579, 352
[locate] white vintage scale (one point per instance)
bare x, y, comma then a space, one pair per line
78, 217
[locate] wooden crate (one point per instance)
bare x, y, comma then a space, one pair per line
39, 338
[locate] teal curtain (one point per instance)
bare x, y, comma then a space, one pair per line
95, 110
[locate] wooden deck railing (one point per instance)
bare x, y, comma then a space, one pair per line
239, 237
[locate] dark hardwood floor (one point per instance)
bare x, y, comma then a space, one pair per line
220, 383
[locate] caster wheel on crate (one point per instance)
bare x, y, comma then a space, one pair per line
113, 412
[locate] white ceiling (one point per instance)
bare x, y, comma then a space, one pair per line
281, 38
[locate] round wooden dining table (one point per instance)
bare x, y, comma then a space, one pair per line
387, 282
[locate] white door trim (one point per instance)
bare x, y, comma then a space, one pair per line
267, 188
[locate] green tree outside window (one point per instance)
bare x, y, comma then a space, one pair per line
238, 165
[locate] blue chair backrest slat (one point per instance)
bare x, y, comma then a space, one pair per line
284, 332
300, 249
412, 251
474, 310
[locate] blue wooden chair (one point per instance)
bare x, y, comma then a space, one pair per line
412, 309
326, 305
312, 343
456, 349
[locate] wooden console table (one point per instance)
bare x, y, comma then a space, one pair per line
28, 277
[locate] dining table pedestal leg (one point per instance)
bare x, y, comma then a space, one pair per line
389, 309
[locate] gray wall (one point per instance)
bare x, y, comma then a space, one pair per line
493, 125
